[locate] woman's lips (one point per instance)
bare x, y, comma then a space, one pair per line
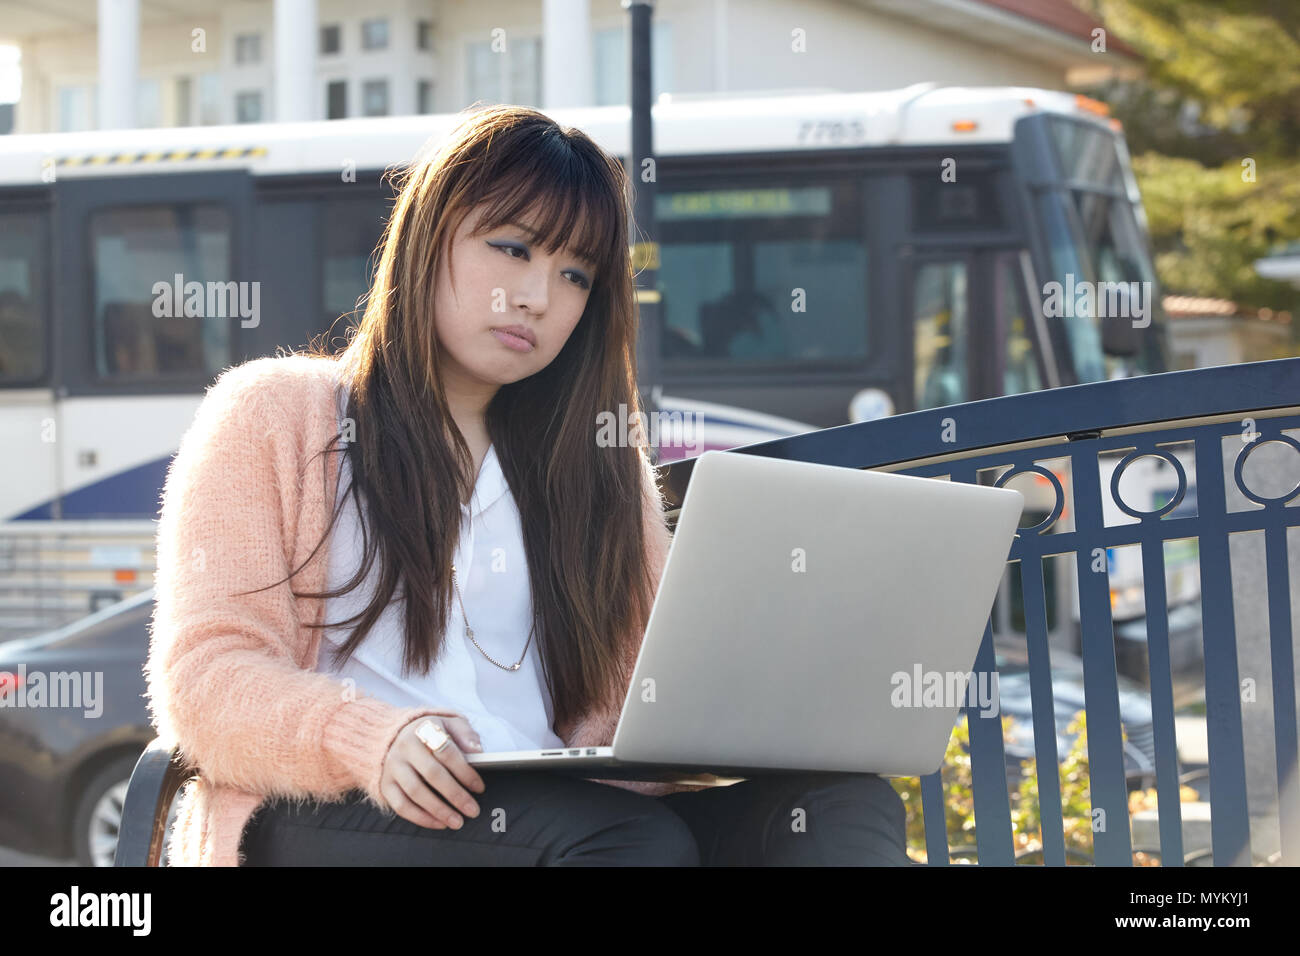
518, 343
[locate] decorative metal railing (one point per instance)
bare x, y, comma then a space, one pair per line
1221, 420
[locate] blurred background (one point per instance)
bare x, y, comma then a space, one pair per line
856, 208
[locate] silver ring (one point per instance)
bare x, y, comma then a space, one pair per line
434, 736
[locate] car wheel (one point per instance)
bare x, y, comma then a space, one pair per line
98, 817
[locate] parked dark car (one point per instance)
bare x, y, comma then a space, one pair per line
64, 770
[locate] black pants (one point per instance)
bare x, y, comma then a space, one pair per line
546, 819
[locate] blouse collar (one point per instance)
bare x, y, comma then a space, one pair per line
490, 486
491, 483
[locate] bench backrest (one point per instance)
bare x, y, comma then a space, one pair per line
1228, 442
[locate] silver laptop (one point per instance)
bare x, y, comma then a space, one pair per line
809, 618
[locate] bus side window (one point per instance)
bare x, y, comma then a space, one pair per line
775, 272
1019, 367
940, 327
352, 228
24, 267
141, 332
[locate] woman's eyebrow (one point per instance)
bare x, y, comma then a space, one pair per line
528, 231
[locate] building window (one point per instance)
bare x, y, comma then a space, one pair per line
331, 40
248, 48
148, 104
184, 92
336, 99
374, 34
424, 96
248, 107
76, 108
512, 76
424, 35
612, 50
374, 98
209, 99
484, 81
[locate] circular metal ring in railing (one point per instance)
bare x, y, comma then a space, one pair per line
1241, 463
1056, 484
1133, 456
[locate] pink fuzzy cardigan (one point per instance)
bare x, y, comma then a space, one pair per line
232, 680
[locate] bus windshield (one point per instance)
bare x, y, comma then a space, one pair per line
1100, 294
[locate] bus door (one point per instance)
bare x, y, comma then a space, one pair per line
152, 299
27, 414
939, 298
975, 337
973, 334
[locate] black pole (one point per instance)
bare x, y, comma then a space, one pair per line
644, 239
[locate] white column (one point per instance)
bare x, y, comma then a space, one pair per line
567, 65
36, 113
294, 69
119, 62
720, 34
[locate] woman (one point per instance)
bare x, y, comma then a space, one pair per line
451, 445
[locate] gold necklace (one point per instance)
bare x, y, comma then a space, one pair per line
469, 632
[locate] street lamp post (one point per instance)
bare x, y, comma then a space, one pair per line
642, 174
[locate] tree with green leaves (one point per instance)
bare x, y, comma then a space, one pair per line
1214, 128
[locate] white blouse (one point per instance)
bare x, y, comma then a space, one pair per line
510, 710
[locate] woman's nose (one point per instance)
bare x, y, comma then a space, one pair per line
531, 291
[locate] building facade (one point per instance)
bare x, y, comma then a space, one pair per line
89, 64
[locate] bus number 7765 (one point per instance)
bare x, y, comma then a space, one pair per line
831, 131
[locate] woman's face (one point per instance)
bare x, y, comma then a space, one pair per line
504, 279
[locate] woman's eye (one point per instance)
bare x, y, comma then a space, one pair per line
578, 278
509, 249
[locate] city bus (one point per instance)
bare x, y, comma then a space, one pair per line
825, 257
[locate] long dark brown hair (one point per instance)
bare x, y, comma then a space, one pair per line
580, 502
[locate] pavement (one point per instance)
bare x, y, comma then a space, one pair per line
10, 857
1193, 740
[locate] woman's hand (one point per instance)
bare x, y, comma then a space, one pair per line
414, 776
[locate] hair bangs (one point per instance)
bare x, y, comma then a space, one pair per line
567, 204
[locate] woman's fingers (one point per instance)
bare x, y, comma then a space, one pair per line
424, 800
453, 759
449, 773
428, 787
466, 737
406, 808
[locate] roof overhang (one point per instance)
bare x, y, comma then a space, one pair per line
1068, 43
22, 20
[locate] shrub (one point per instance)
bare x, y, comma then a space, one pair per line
1026, 815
